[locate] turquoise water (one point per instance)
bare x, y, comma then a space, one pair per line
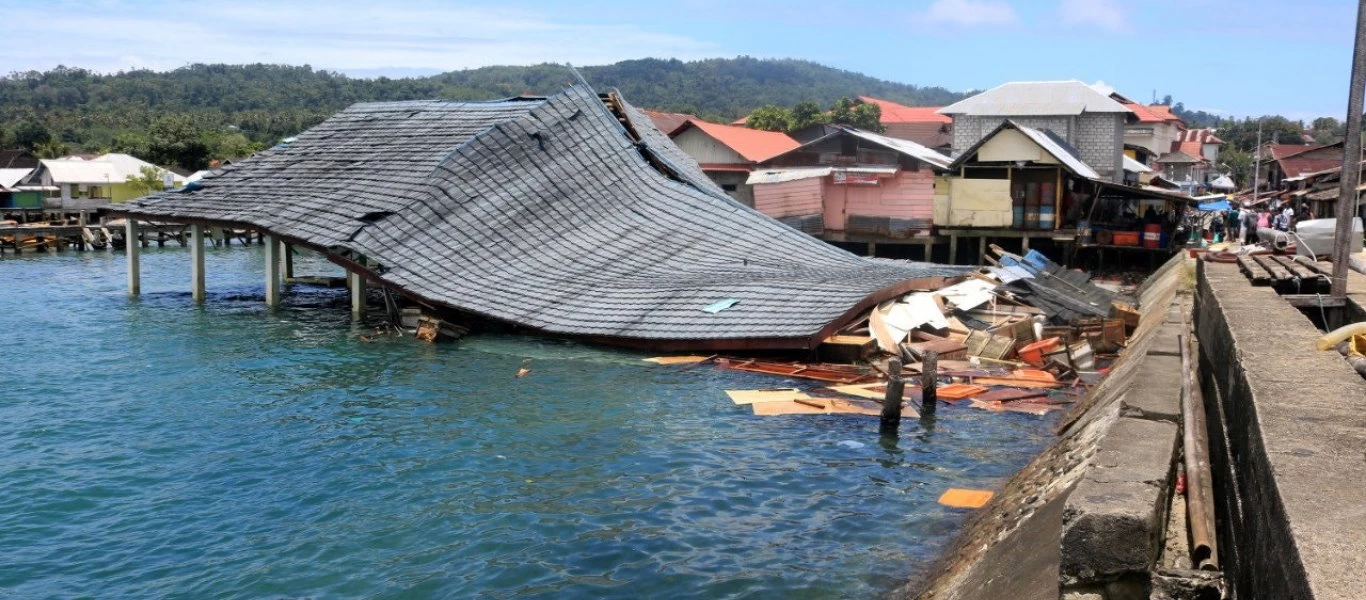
153, 448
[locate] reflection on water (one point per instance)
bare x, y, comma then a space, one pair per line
153, 447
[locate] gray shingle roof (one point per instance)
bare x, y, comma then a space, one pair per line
543, 213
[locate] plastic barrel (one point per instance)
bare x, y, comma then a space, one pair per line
1152, 236
1046, 217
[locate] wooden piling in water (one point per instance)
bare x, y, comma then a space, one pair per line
929, 384
891, 401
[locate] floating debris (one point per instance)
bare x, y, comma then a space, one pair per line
957, 498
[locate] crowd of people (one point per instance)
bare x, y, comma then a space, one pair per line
1242, 223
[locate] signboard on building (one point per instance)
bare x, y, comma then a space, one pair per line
847, 178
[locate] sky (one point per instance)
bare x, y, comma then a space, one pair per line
1232, 57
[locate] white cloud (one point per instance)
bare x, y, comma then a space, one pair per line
971, 12
338, 35
1105, 14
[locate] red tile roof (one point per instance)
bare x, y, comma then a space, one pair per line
1192, 148
1145, 114
752, 144
900, 113
668, 122
1164, 112
1203, 136
1279, 151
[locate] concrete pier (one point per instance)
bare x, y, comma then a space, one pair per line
132, 251
197, 262
273, 280
356, 282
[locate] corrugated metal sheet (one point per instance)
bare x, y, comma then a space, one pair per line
1032, 98
1134, 166
10, 177
544, 214
905, 147
784, 175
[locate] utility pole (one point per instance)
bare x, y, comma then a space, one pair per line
1351, 160
1257, 162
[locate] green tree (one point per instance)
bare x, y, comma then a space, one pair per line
233, 146
31, 133
806, 114
1239, 165
130, 142
150, 179
865, 116
175, 139
52, 148
770, 118
1326, 124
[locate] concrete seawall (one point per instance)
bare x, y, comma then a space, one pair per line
1290, 460
1086, 517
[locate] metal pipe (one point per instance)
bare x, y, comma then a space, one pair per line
1195, 442
1351, 157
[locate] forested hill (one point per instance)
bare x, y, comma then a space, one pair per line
233, 109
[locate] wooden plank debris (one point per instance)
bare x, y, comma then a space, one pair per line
956, 498
768, 395
678, 360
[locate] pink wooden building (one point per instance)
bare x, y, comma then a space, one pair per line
852, 184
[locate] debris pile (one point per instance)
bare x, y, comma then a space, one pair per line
1022, 334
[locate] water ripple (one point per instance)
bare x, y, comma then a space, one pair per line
154, 448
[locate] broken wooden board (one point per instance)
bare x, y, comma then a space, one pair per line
817, 372
678, 360
876, 391
958, 391
846, 347
768, 395
1028, 408
1009, 394
1014, 382
825, 406
957, 498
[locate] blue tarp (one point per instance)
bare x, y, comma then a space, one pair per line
1216, 205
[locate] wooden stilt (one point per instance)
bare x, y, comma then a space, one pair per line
891, 401
356, 282
132, 251
289, 261
981, 251
272, 270
953, 248
197, 262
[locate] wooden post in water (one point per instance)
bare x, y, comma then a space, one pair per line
891, 402
289, 259
131, 251
197, 262
929, 384
272, 270
356, 282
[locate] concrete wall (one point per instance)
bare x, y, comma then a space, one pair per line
1085, 515
1288, 457
705, 149
1099, 137
742, 192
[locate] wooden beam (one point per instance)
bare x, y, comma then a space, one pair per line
197, 262
289, 260
1057, 202
132, 251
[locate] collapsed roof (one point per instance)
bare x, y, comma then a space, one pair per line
547, 213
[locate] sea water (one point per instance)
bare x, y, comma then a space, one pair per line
152, 447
